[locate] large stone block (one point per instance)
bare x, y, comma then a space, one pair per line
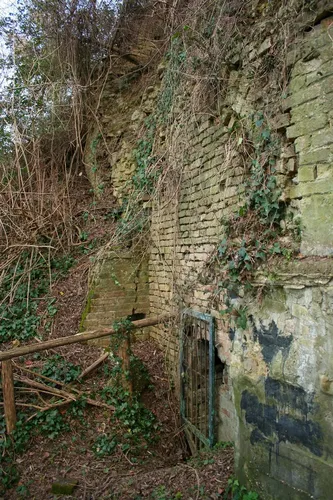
319, 186
306, 127
317, 217
320, 155
322, 137
312, 92
306, 173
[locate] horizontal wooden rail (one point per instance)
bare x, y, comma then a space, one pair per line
80, 337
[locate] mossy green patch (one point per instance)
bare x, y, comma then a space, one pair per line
86, 309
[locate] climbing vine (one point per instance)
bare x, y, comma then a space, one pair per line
251, 234
149, 167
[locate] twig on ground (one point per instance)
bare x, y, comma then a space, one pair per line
197, 477
94, 365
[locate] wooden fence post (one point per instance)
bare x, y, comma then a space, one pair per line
8, 395
124, 354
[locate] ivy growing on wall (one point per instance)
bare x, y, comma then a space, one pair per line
251, 235
148, 168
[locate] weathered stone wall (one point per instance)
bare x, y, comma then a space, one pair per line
282, 394
275, 402
276, 398
127, 97
282, 375
310, 103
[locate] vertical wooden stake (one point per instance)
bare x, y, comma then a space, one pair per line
8, 395
124, 353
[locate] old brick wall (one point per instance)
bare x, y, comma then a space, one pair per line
275, 401
185, 232
275, 398
118, 289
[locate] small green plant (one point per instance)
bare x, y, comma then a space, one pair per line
176, 59
89, 246
116, 213
161, 493
76, 409
57, 368
85, 216
148, 164
20, 292
23, 491
51, 308
114, 279
235, 491
145, 177
83, 236
61, 265
139, 422
51, 423
139, 426
222, 445
104, 445
237, 313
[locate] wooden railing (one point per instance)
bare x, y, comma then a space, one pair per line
7, 356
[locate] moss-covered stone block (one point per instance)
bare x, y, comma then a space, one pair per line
86, 309
320, 186
306, 173
320, 155
64, 486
